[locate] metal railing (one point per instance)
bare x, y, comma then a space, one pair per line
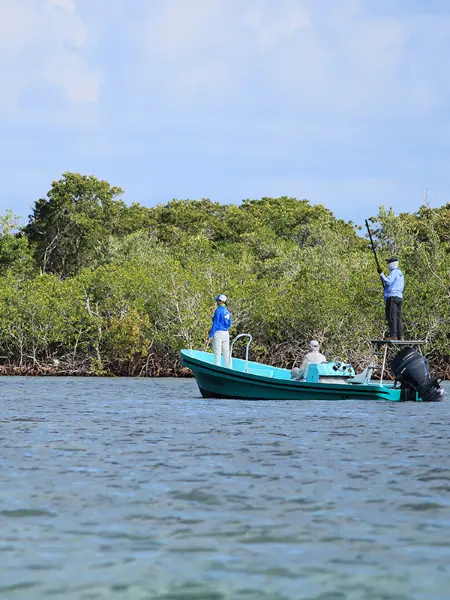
246, 349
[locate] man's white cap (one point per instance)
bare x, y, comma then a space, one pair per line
222, 298
314, 344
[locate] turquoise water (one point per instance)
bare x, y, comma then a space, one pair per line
139, 489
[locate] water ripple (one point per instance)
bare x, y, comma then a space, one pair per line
140, 489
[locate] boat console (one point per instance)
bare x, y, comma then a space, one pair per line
330, 372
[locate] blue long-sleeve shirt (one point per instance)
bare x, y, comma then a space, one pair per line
393, 284
221, 320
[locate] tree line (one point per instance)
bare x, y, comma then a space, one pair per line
91, 285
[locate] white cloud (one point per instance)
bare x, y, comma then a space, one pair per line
68, 4
182, 25
72, 73
18, 20
323, 57
44, 42
276, 23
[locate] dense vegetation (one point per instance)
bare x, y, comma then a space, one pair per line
91, 285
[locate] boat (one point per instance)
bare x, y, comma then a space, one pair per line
247, 380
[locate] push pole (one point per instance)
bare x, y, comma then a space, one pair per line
382, 283
373, 249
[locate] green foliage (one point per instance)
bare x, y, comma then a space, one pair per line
93, 285
71, 228
15, 254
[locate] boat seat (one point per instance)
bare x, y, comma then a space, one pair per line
364, 377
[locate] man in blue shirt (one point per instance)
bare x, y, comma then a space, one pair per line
393, 297
219, 334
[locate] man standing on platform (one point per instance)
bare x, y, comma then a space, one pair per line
393, 297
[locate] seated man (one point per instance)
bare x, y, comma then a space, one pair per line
313, 356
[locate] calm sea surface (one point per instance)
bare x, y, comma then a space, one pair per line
135, 489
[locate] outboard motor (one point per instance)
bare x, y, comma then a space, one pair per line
411, 370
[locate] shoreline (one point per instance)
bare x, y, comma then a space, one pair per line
53, 371
176, 373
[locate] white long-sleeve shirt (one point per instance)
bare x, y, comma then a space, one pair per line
312, 357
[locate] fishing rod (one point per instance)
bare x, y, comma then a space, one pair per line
373, 248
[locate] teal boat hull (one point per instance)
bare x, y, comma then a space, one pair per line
256, 381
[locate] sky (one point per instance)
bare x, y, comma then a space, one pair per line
345, 102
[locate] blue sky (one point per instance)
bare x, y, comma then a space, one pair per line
343, 102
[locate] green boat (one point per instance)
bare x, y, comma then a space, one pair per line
247, 380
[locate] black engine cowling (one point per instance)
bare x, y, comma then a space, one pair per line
411, 370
